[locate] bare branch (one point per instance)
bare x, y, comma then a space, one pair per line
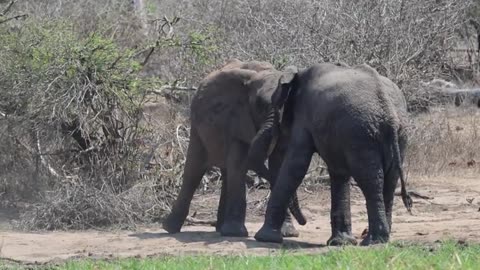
7, 9
14, 18
42, 157
173, 88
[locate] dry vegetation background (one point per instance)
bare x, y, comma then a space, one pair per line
94, 95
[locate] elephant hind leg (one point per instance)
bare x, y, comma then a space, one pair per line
235, 199
340, 215
391, 180
367, 170
195, 168
221, 203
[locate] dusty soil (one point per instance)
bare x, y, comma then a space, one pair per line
452, 212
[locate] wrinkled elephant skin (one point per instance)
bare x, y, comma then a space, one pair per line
226, 112
355, 119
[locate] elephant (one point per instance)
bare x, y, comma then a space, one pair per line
356, 120
226, 112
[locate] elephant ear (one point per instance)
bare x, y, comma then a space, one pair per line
284, 89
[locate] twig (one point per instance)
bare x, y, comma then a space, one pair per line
42, 157
152, 49
167, 36
14, 18
178, 140
7, 9
193, 220
149, 157
164, 88
168, 23
415, 194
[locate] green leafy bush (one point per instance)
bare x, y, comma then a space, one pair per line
74, 105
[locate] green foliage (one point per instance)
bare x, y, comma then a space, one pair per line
203, 45
46, 64
151, 7
77, 98
446, 256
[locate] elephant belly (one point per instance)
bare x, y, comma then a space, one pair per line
336, 141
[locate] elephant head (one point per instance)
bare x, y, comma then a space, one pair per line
273, 111
277, 116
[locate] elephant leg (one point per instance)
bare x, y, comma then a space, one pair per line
391, 180
293, 170
340, 215
195, 168
221, 203
235, 200
274, 164
368, 172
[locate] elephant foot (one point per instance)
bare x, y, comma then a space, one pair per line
288, 230
373, 240
171, 225
342, 239
233, 229
266, 234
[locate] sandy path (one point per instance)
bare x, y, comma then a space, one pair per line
447, 215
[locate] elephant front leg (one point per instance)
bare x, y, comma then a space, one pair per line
292, 172
235, 199
195, 168
274, 164
340, 215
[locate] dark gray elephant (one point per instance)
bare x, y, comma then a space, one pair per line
226, 113
355, 120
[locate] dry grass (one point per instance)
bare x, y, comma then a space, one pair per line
445, 140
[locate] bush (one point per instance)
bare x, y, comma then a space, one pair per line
74, 105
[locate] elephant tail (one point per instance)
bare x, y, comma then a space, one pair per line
407, 200
393, 127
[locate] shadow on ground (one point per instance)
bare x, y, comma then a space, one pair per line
214, 238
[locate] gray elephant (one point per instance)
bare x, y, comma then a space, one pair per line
226, 113
355, 119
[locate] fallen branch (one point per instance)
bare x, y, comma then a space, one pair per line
196, 221
415, 194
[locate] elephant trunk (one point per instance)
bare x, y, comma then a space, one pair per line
261, 147
264, 142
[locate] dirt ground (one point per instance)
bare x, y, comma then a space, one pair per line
452, 212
